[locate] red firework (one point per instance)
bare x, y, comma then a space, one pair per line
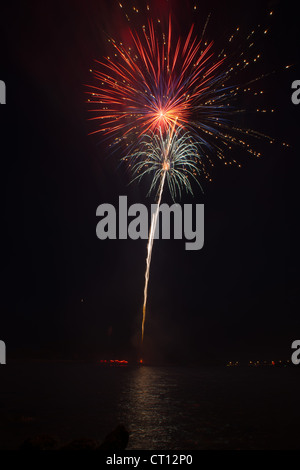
152, 85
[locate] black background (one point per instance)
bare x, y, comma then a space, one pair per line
237, 299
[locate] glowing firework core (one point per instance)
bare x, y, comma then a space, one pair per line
166, 165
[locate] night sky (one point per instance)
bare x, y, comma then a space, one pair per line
66, 294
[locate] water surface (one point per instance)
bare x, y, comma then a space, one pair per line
165, 408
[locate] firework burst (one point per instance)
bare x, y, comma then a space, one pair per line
174, 154
153, 86
163, 82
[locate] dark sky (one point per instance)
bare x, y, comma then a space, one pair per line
237, 298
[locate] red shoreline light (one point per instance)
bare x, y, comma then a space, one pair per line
113, 361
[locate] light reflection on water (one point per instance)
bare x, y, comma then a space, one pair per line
170, 408
209, 408
146, 405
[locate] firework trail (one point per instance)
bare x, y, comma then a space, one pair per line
173, 159
149, 248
